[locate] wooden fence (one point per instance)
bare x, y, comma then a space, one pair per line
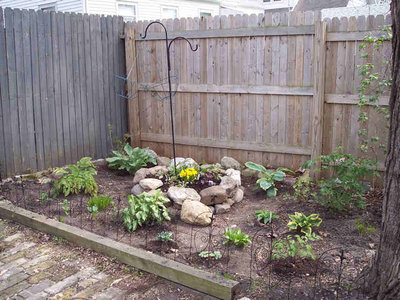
276, 88
58, 88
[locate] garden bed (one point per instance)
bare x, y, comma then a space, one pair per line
333, 269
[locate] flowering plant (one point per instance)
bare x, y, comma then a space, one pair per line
188, 175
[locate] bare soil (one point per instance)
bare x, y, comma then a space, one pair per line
332, 272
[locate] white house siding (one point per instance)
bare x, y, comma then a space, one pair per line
366, 10
62, 5
151, 9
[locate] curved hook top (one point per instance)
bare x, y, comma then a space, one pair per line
147, 27
183, 38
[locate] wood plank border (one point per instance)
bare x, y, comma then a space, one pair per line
351, 99
229, 89
197, 279
236, 145
232, 33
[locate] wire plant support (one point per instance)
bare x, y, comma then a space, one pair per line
168, 44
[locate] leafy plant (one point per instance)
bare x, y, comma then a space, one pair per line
211, 254
303, 190
304, 224
343, 189
65, 207
99, 203
267, 182
144, 209
165, 237
44, 197
236, 237
76, 178
130, 159
265, 216
365, 228
293, 247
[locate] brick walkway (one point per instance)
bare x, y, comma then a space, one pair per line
34, 265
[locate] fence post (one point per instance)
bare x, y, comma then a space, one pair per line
133, 95
319, 93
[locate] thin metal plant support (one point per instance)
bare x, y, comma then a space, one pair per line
168, 44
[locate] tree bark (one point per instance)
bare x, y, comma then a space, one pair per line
384, 279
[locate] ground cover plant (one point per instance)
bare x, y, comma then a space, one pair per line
130, 159
211, 254
99, 203
236, 237
293, 246
145, 209
76, 178
267, 182
265, 216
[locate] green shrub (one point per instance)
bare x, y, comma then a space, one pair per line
267, 183
303, 190
293, 247
99, 203
236, 237
265, 216
76, 178
210, 254
165, 237
304, 224
144, 209
343, 189
130, 159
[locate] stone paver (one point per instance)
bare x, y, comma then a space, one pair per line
34, 266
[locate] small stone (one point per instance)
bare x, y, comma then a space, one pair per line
137, 190
152, 153
230, 202
140, 174
149, 184
212, 209
371, 245
179, 194
195, 212
249, 173
163, 161
213, 195
44, 180
157, 171
304, 176
290, 181
100, 162
230, 163
238, 195
222, 208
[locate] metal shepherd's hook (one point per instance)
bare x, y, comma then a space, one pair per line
168, 44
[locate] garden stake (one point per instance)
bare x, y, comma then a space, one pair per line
168, 46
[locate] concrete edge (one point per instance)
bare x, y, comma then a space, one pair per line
199, 280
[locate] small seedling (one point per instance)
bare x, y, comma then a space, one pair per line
65, 207
265, 216
165, 237
236, 237
365, 228
211, 254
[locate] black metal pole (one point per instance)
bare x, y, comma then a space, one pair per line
168, 46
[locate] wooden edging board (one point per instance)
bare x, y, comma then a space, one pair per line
200, 280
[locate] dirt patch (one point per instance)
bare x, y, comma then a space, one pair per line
338, 232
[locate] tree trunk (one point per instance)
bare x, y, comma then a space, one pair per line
384, 278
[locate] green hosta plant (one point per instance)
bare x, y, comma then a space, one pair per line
236, 237
144, 209
265, 216
303, 224
297, 246
130, 159
267, 182
76, 178
210, 254
165, 237
99, 203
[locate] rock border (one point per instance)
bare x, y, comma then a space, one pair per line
200, 280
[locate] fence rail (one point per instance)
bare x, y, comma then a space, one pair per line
58, 89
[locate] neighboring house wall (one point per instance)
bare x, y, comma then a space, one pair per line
279, 4
61, 5
154, 9
366, 10
241, 7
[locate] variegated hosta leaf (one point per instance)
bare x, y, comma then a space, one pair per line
256, 167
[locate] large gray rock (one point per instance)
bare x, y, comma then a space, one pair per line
140, 174
195, 212
137, 190
157, 171
231, 181
180, 162
238, 195
149, 184
222, 208
213, 195
235, 175
230, 163
163, 161
179, 194
152, 153
249, 173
